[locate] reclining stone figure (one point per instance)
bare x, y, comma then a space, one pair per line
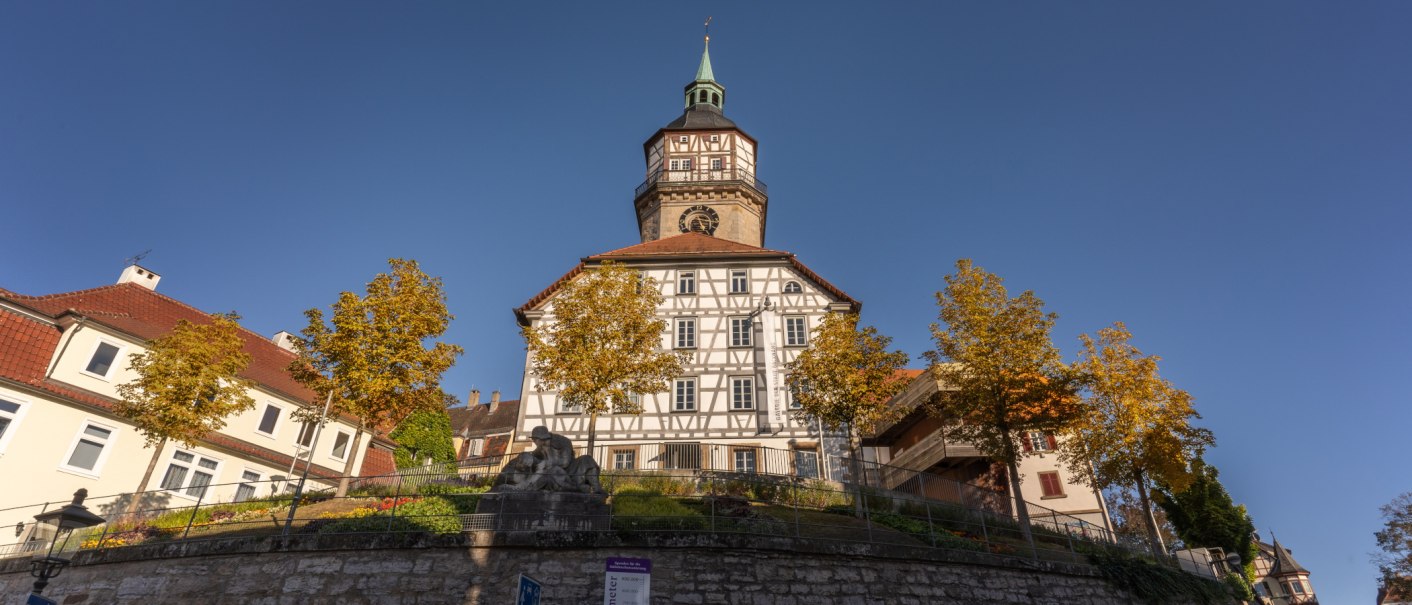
551, 467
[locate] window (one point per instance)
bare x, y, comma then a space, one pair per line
743, 393
475, 446
686, 283
624, 460
715, 138
102, 361
744, 460
340, 446
1037, 442
306, 434
716, 98
246, 489
681, 455
715, 163
89, 449
1297, 585
794, 396
792, 287
806, 464
189, 474
740, 284
796, 332
9, 416
269, 421
682, 139
686, 333
681, 164
1050, 484
701, 96
568, 408
740, 331
1260, 589
685, 395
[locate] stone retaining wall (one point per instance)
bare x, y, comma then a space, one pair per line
482, 568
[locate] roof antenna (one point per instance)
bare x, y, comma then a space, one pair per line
134, 259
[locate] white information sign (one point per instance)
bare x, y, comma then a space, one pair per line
628, 581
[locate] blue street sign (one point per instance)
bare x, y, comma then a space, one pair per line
35, 599
527, 593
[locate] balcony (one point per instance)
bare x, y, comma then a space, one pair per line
702, 175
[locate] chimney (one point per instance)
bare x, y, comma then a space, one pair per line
474, 399
285, 340
140, 276
494, 400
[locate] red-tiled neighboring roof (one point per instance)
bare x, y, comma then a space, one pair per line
477, 420
147, 315
26, 346
694, 246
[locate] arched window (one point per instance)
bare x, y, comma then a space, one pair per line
702, 96
715, 98
792, 288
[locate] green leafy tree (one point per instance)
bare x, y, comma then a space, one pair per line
1129, 517
188, 382
845, 379
1000, 368
1395, 540
423, 438
1204, 515
379, 358
1135, 427
603, 344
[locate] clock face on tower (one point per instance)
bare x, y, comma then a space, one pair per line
701, 219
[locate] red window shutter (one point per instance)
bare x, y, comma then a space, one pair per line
1025, 442
1052, 444
1049, 483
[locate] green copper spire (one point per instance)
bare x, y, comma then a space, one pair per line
704, 90
704, 72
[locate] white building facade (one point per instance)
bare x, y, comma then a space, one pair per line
62, 357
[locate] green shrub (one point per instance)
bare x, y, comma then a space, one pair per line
1156, 583
434, 514
643, 509
925, 532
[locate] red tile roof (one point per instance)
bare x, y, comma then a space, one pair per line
694, 246
477, 420
147, 315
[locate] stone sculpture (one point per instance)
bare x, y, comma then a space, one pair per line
550, 467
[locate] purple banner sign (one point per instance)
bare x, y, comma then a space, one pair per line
629, 565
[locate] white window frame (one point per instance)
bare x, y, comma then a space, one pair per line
625, 455
802, 333
253, 483
793, 287
741, 285
1039, 441
192, 468
742, 393
753, 457
117, 358
717, 164
475, 446
678, 342
715, 138
689, 402
108, 445
741, 331
348, 445
279, 414
683, 139
16, 418
686, 282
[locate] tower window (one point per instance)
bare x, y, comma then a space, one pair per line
715, 98
702, 96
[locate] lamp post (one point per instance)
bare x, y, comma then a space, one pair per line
63, 521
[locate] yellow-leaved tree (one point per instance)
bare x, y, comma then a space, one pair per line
1001, 372
188, 382
379, 359
845, 378
603, 344
1135, 427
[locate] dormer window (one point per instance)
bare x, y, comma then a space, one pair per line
102, 361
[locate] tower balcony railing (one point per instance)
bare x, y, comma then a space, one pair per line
703, 175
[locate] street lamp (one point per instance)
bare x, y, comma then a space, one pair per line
61, 523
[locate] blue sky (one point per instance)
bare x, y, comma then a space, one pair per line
1229, 179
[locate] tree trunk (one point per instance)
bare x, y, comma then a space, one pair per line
592, 430
855, 472
1154, 539
352, 454
132, 507
1022, 510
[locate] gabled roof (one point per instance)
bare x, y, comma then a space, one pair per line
1284, 564
145, 314
477, 420
686, 246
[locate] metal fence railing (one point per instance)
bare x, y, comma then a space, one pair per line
643, 503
